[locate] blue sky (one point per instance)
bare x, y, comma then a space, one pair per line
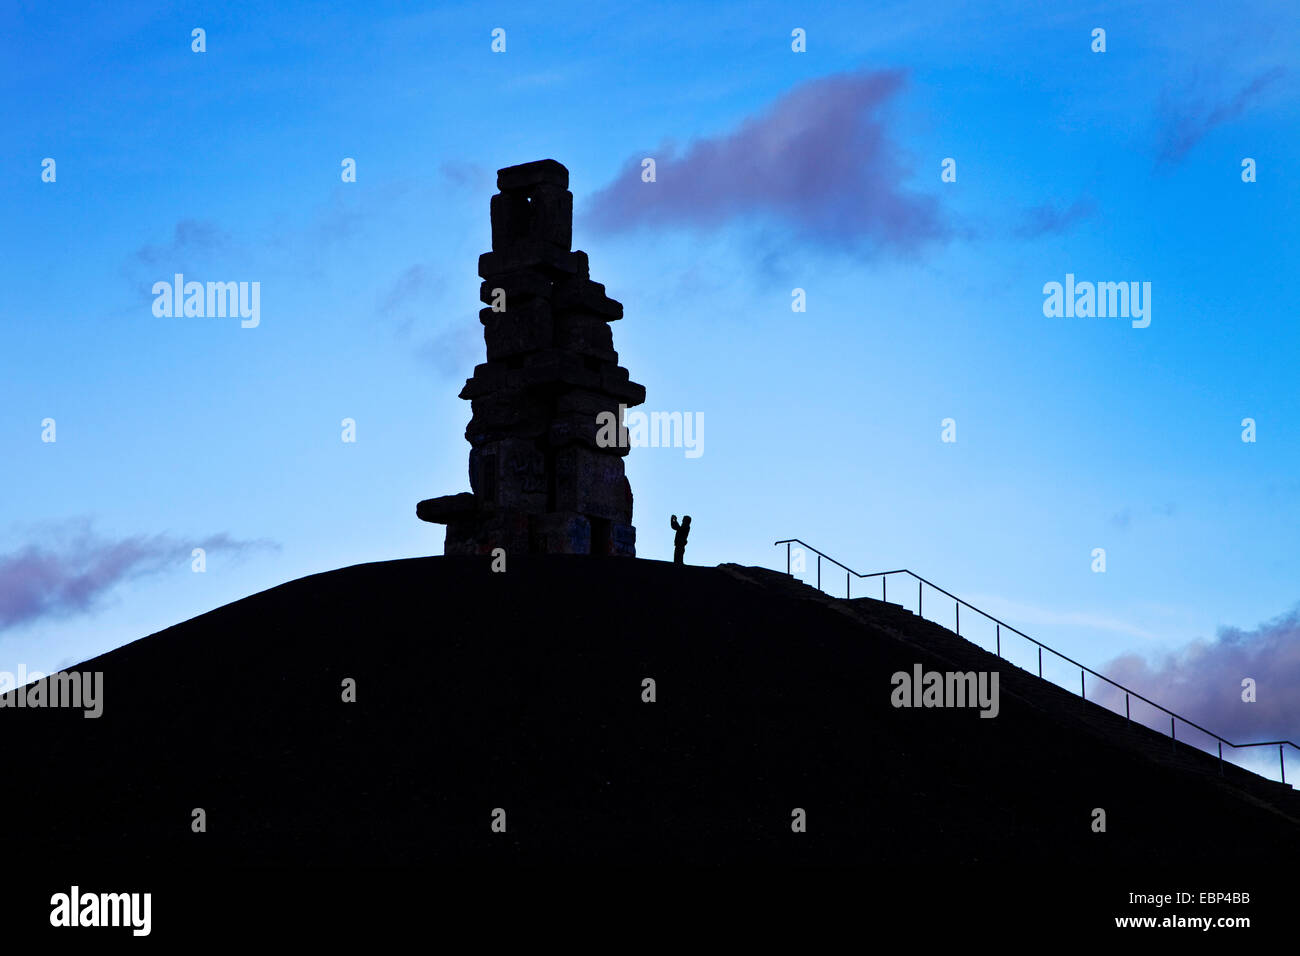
818, 170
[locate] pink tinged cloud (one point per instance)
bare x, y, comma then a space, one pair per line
1186, 123
1047, 219
72, 570
1203, 681
819, 160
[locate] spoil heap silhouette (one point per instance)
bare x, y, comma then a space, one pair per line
472, 694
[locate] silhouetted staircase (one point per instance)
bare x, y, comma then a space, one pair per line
1040, 692
965, 655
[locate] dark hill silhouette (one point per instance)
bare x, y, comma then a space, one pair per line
522, 690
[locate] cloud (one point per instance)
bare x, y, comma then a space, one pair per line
409, 285
347, 217
469, 177
1202, 681
818, 160
190, 236
1049, 219
343, 217
1123, 519
190, 250
1184, 124
72, 568
454, 351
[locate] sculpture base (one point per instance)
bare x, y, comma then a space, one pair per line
471, 531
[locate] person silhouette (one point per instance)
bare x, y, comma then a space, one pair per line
679, 542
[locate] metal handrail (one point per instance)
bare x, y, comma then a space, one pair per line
1083, 669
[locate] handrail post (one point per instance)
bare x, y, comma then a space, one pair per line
999, 640
819, 571
884, 587
1282, 760
1128, 717
1040, 660
1220, 758
787, 557
957, 607
1173, 740
848, 590
1082, 691
919, 585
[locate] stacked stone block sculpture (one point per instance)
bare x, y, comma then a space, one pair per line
540, 481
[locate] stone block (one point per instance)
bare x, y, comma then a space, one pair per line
560, 533
582, 295
557, 367
623, 541
446, 508
518, 331
586, 402
548, 259
509, 473
585, 335
578, 429
591, 483
541, 171
511, 218
614, 381
498, 416
544, 213
480, 534
550, 215
517, 286
487, 378
581, 264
